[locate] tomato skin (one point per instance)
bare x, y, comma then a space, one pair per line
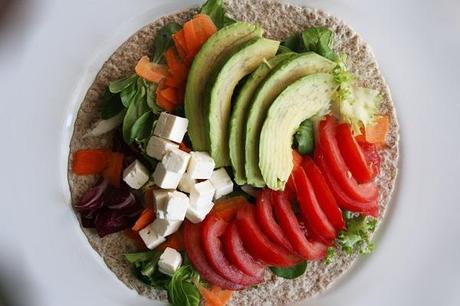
360, 192
192, 243
352, 154
324, 194
266, 220
309, 207
237, 254
367, 208
289, 223
212, 229
371, 153
257, 243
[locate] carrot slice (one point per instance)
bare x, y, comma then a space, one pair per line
170, 94
175, 241
165, 103
227, 208
147, 216
191, 39
173, 82
150, 71
176, 67
377, 132
179, 42
209, 298
91, 161
205, 24
223, 294
113, 170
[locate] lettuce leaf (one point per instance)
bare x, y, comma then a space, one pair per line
216, 10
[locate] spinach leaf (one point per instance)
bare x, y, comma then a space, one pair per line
118, 85
163, 40
305, 137
127, 95
216, 10
145, 268
135, 110
142, 128
291, 272
111, 105
319, 40
151, 99
181, 288
294, 43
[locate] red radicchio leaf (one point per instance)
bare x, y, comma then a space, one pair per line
92, 199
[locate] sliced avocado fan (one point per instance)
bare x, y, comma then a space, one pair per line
216, 47
279, 78
243, 60
298, 102
239, 114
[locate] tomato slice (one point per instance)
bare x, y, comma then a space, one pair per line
324, 194
352, 154
258, 244
292, 229
359, 192
309, 207
192, 243
213, 228
266, 220
368, 208
372, 156
237, 254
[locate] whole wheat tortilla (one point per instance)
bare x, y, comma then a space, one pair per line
279, 21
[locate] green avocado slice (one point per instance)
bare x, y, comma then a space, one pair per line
243, 60
239, 114
211, 53
279, 78
298, 102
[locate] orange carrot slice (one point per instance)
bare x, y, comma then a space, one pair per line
112, 172
377, 132
170, 94
191, 39
181, 45
176, 67
205, 25
209, 298
91, 161
150, 71
165, 103
147, 216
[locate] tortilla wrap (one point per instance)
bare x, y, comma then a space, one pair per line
279, 21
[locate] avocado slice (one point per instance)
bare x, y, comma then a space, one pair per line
243, 60
279, 78
212, 52
239, 114
298, 102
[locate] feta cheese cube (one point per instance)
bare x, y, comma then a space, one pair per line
173, 207
201, 195
164, 178
176, 161
221, 182
169, 261
160, 196
163, 227
171, 127
136, 175
197, 215
150, 237
186, 183
201, 165
157, 147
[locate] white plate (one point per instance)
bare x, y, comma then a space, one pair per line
60, 45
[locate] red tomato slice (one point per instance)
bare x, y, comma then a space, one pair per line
372, 156
292, 229
359, 192
352, 154
368, 208
237, 254
192, 243
258, 244
266, 220
324, 194
309, 207
213, 228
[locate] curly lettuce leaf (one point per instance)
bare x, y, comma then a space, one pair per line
356, 237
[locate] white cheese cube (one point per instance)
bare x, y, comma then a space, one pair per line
169, 261
171, 127
174, 207
201, 165
164, 178
186, 183
160, 196
150, 237
163, 227
221, 182
197, 215
176, 161
201, 195
136, 175
157, 147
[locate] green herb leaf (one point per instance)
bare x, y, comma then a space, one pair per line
292, 272
356, 236
216, 10
118, 85
319, 40
135, 110
294, 43
181, 288
163, 40
305, 137
151, 98
111, 105
127, 95
145, 268
142, 128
